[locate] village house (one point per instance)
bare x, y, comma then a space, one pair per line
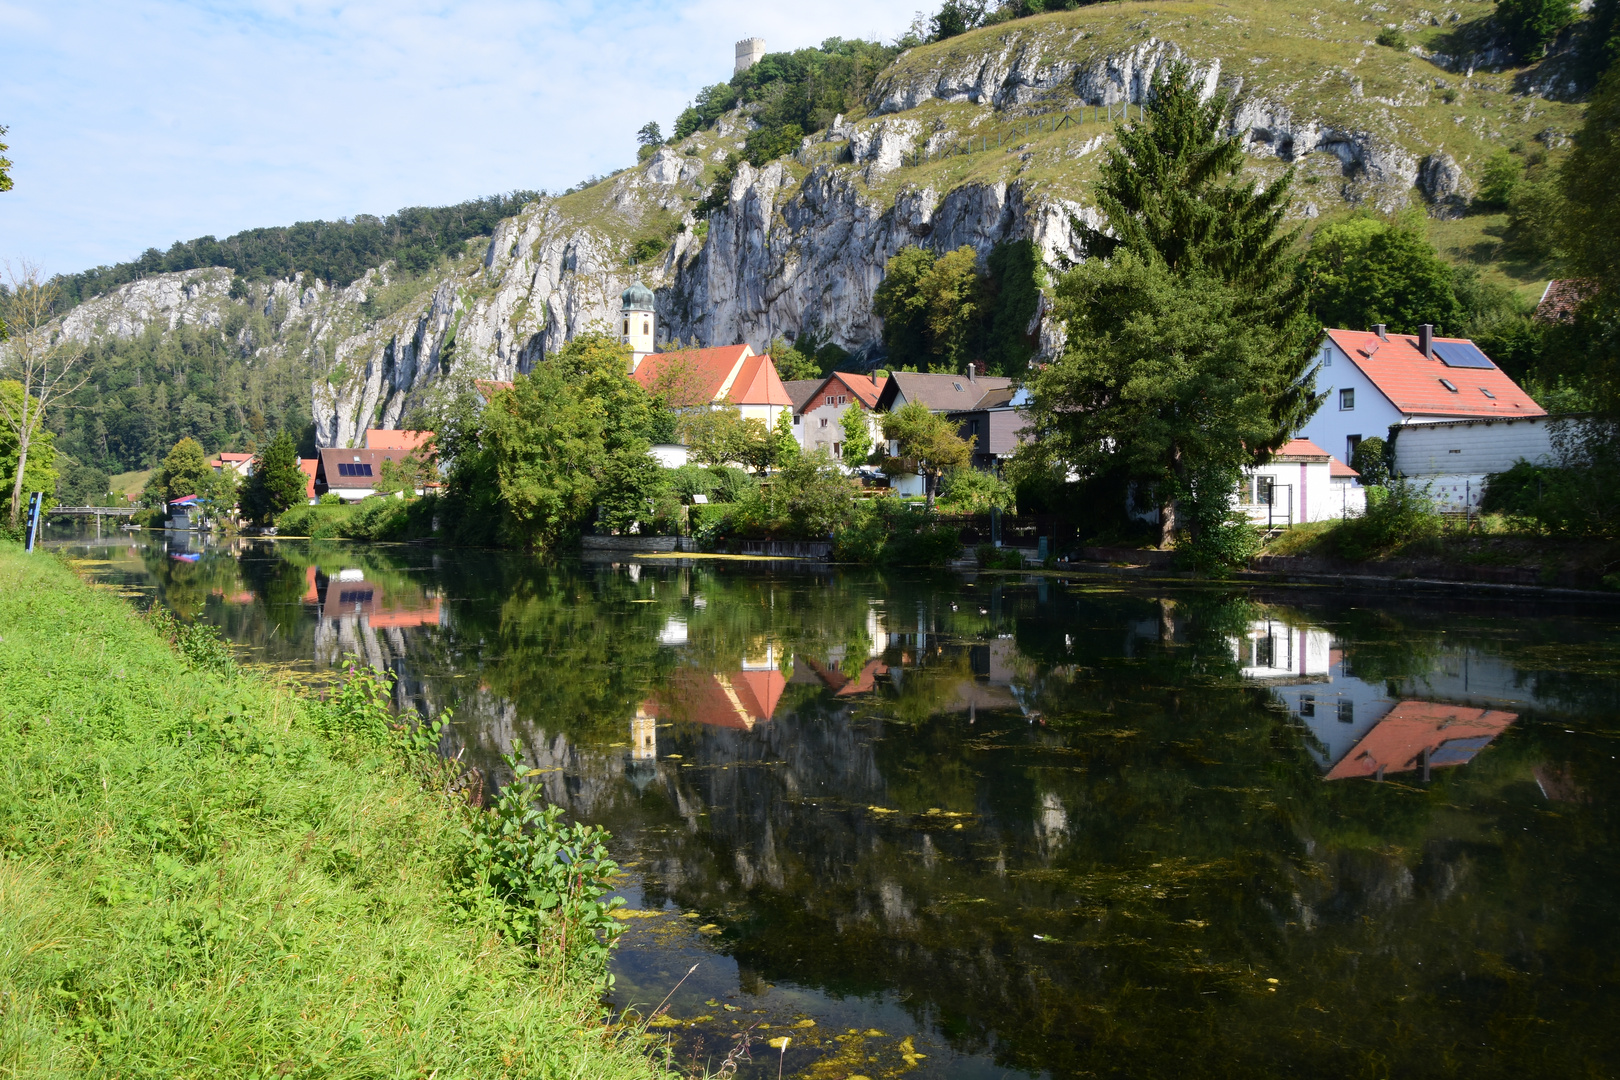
998, 424
719, 377
240, 464
941, 393
819, 416
1302, 482
1378, 382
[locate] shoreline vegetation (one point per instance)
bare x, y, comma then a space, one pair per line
206, 873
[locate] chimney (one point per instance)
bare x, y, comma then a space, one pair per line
1381, 330
971, 368
874, 376
1426, 340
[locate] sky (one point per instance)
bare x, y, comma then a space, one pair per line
136, 123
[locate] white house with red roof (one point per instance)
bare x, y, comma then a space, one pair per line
1302, 482
1376, 381
820, 419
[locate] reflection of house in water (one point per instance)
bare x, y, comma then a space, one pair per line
1357, 727
1273, 651
1422, 735
738, 699
807, 670
643, 747
361, 618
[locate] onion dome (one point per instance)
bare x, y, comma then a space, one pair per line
637, 298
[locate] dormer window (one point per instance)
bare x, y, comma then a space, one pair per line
1449, 385
1487, 393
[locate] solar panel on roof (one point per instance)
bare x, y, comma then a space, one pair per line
1461, 354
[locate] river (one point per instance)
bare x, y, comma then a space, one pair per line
947, 825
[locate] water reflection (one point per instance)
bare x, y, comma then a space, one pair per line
1024, 825
1359, 728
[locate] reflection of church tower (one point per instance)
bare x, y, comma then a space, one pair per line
643, 748
637, 322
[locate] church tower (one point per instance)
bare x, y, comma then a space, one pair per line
637, 322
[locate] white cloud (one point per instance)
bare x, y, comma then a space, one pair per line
137, 124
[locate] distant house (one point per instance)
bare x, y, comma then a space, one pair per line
1377, 382
309, 467
998, 424
395, 439
819, 419
942, 393
240, 464
729, 375
352, 474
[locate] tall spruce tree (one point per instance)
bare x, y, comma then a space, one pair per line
1190, 348
277, 482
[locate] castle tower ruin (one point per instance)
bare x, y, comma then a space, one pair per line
749, 51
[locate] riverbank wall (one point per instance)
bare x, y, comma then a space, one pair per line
193, 882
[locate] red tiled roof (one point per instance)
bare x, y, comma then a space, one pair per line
1301, 450
1338, 470
308, 466
757, 383
1450, 734
235, 457
1560, 299
1412, 384
738, 700
394, 439
693, 376
862, 388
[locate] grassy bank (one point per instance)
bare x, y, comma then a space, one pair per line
193, 882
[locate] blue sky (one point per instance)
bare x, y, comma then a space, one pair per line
135, 124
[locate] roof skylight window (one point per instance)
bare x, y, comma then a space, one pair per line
1449, 385
1487, 393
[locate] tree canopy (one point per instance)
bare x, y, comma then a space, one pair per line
1591, 182
1365, 271
927, 442
277, 483
558, 438
1189, 351
939, 312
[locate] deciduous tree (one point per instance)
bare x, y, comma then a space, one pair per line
44, 371
857, 432
928, 443
1366, 271
277, 483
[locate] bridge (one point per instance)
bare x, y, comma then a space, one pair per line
92, 511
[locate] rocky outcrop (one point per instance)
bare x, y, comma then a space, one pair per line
194, 298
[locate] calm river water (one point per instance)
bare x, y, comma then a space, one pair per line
948, 825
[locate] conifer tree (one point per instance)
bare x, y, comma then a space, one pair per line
277, 482
1189, 349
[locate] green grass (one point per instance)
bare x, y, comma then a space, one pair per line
194, 883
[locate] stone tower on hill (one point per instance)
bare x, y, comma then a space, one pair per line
749, 51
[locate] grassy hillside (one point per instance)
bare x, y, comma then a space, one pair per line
194, 884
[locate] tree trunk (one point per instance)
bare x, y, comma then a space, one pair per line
1167, 523
23, 438
928, 489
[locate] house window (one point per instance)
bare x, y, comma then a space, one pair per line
1350, 444
843, 398
1449, 385
1327, 356
838, 449
1265, 489
1487, 393
1347, 712
1307, 704
646, 328
627, 328
823, 421
830, 402
796, 420
1347, 399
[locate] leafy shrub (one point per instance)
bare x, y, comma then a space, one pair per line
1397, 516
546, 878
1391, 37
358, 716
974, 491
376, 518
1371, 460
692, 480
888, 531
198, 643
1577, 497
991, 557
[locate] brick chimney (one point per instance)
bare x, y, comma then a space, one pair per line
1426, 340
